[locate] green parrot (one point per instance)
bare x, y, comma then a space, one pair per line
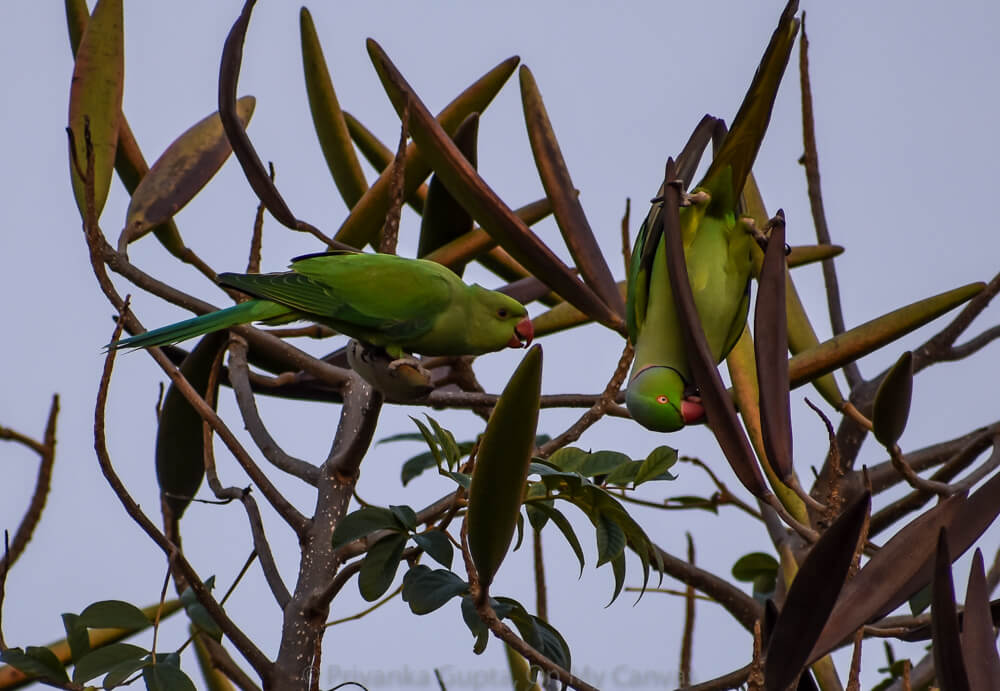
398, 304
717, 250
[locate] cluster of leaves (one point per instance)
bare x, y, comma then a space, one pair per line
92, 649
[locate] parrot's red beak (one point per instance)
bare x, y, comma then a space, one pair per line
692, 410
524, 332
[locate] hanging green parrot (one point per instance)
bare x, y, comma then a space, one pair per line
401, 305
717, 250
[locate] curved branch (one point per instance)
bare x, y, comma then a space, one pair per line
46, 449
261, 546
239, 378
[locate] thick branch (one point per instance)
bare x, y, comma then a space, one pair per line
744, 608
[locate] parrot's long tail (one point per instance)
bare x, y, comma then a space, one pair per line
244, 313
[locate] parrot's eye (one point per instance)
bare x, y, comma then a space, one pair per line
662, 400
502, 313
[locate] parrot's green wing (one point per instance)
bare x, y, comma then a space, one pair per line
359, 294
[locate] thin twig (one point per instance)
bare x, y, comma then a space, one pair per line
46, 449
503, 632
541, 594
261, 546
601, 406
915, 481
3, 583
854, 675
256, 238
940, 347
956, 464
727, 497
367, 610
811, 160
734, 680
687, 637
390, 231
668, 591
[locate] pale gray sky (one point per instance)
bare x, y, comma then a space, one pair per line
906, 104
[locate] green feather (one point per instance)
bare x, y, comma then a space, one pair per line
244, 313
402, 305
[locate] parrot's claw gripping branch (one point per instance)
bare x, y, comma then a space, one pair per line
697, 197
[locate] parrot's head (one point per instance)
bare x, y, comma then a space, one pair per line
500, 320
659, 399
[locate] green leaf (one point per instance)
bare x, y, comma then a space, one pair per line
437, 545
475, 624
380, 565
35, 662
426, 590
602, 462
452, 453
892, 402
540, 635
463, 479
119, 673
656, 465
416, 466
113, 614
76, 636
429, 438
406, 516
402, 436
536, 517
623, 474
695, 502
103, 660
751, 566
166, 677
501, 471
568, 458
95, 95
618, 568
520, 532
564, 526
610, 539
362, 522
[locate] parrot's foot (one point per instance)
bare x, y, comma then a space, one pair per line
409, 361
400, 379
698, 197
762, 236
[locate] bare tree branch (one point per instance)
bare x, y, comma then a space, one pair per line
811, 161
46, 449
240, 381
